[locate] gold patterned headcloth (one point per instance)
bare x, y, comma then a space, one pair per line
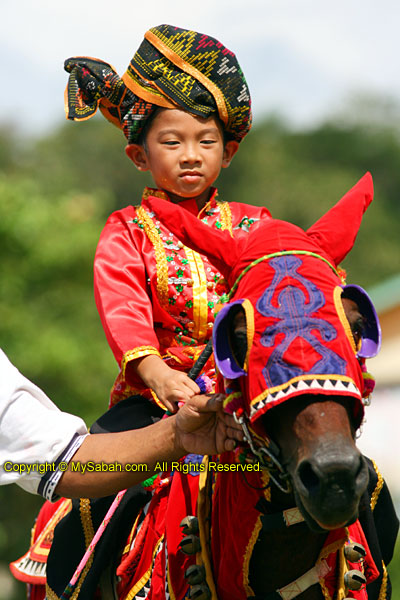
173, 68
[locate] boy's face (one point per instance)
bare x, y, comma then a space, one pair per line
184, 154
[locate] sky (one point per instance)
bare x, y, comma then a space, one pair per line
302, 58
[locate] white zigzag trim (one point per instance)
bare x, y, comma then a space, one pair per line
331, 385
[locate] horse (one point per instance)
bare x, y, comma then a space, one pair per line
295, 511
289, 350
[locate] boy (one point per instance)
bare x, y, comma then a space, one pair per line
184, 106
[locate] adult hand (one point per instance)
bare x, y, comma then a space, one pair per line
202, 427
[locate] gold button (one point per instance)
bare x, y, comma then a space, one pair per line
189, 282
210, 285
210, 325
190, 324
179, 244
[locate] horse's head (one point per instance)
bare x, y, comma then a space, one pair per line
290, 345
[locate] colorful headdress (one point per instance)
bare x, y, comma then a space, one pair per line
173, 68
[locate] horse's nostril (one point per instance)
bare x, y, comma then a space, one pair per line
308, 477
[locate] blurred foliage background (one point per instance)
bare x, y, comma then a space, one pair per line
55, 195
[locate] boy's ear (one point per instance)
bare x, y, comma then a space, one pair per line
138, 156
230, 150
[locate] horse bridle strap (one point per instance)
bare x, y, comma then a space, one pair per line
299, 585
266, 455
281, 520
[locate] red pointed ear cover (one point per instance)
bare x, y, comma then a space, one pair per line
336, 231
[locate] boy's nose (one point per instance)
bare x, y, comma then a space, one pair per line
190, 154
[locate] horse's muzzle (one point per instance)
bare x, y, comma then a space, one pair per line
330, 483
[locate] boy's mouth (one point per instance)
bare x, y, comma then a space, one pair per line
190, 176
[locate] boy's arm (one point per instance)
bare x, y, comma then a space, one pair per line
121, 292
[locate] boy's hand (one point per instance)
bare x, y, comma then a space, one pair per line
171, 386
202, 427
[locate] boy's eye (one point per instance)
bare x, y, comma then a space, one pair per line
208, 142
170, 143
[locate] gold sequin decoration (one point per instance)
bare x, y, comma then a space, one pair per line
226, 215
200, 296
159, 251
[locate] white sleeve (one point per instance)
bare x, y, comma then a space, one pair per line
32, 429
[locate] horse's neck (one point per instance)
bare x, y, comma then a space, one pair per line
282, 556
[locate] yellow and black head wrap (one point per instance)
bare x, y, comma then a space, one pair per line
173, 68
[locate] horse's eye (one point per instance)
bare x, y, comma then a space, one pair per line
239, 346
357, 328
238, 337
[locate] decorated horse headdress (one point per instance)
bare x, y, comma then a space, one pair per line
286, 280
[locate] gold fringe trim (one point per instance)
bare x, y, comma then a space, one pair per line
378, 487
337, 546
383, 590
137, 353
87, 525
86, 520
342, 568
324, 590
247, 556
50, 595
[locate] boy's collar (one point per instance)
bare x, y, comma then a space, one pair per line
189, 204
